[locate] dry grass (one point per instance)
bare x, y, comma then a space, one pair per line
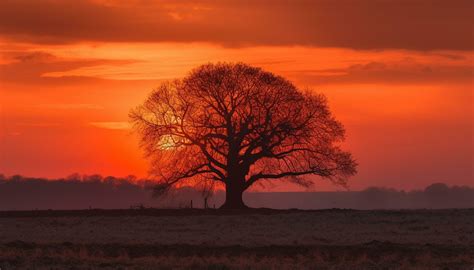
278, 240
337, 227
374, 255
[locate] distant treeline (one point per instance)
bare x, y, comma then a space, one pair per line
95, 191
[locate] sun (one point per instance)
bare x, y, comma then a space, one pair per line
167, 142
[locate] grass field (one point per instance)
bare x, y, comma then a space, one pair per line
255, 239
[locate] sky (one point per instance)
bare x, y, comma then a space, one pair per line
397, 74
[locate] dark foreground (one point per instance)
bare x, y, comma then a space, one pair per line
257, 239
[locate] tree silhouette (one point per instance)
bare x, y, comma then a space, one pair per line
235, 124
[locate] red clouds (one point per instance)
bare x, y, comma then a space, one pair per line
406, 24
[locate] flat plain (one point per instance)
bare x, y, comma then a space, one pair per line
253, 239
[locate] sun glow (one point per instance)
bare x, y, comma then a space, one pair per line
167, 143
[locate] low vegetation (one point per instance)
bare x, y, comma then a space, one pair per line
237, 239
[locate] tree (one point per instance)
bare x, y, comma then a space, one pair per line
236, 125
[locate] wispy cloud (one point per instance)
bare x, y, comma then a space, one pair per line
42, 67
39, 124
111, 125
71, 106
398, 72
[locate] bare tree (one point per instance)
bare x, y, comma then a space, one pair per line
235, 124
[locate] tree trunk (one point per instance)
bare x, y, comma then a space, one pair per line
233, 196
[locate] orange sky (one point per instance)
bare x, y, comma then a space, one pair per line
398, 74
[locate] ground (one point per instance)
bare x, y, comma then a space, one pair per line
255, 239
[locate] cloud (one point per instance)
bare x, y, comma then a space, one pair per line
37, 56
14, 133
365, 24
399, 72
38, 124
31, 67
111, 125
71, 106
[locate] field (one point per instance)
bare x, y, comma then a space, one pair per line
255, 239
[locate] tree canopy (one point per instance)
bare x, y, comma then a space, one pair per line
236, 125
